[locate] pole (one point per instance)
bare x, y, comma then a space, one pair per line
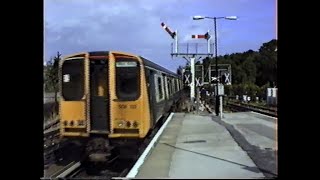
176, 42
216, 57
192, 80
198, 99
208, 41
221, 105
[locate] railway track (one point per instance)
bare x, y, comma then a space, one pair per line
271, 109
69, 171
75, 168
51, 143
50, 124
248, 107
118, 166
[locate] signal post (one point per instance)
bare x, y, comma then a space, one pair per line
191, 56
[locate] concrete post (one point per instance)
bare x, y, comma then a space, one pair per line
192, 88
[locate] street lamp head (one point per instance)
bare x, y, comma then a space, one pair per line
198, 17
231, 17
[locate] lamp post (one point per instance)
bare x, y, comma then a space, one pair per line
216, 53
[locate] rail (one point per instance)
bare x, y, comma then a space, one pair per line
49, 124
262, 110
68, 171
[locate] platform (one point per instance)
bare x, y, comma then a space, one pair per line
195, 146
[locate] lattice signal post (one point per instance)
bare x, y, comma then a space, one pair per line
190, 55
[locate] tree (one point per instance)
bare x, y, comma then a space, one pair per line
250, 70
238, 74
228, 90
51, 75
263, 91
252, 90
268, 63
238, 89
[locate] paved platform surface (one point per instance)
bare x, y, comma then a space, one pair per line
257, 135
258, 129
195, 146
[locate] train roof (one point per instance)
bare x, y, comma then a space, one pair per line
156, 66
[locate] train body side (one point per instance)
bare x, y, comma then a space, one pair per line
162, 96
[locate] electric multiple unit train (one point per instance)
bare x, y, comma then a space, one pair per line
110, 98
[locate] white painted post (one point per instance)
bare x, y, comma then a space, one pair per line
192, 89
208, 41
221, 105
176, 41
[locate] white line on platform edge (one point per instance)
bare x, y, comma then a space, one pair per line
134, 171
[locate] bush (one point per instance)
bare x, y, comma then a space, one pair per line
249, 89
263, 91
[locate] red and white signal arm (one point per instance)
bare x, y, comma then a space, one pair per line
165, 27
201, 36
198, 36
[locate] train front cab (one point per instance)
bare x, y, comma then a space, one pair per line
129, 98
103, 93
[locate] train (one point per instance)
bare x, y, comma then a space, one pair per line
113, 98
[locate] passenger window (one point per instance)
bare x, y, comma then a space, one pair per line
177, 83
160, 88
169, 87
166, 87
173, 86
127, 79
73, 79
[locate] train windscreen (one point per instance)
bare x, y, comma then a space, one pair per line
73, 79
127, 79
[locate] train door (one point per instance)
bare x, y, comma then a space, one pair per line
151, 94
99, 96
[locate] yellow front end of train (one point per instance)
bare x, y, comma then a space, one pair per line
104, 94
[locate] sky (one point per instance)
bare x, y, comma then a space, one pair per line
133, 26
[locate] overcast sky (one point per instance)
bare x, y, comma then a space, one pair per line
73, 26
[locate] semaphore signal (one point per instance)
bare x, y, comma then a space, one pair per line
172, 34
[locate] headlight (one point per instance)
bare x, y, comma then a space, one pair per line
135, 124
71, 123
128, 123
65, 123
80, 122
120, 123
